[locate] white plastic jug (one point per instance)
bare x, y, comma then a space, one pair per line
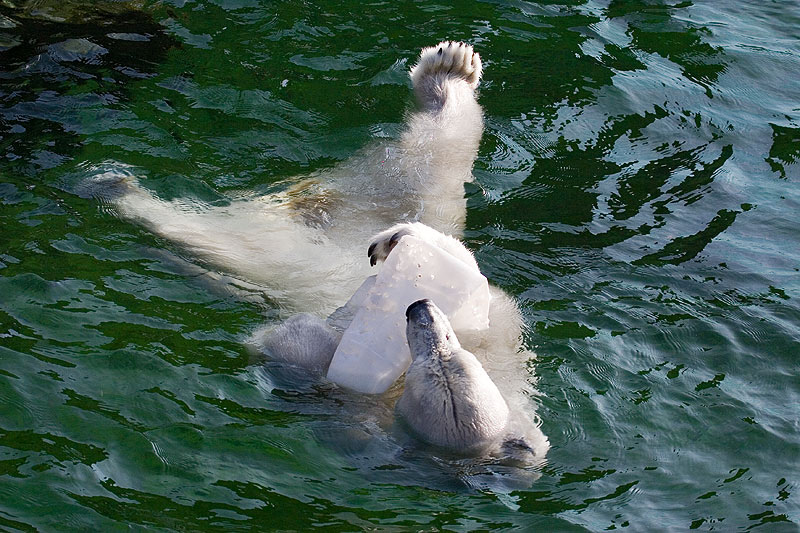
373, 351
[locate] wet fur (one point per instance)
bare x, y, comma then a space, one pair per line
305, 246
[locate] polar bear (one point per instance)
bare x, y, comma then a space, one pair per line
448, 398
304, 244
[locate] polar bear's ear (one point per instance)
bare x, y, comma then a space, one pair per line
448, 60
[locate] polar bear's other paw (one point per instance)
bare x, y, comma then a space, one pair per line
448, 59
109, 185
384, 242
303, 340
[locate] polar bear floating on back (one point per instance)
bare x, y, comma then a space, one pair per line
306, 247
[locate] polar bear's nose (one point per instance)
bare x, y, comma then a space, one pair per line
418, 306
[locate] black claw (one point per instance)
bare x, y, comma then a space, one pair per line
396, 237
371, 249
439, 52
373, 260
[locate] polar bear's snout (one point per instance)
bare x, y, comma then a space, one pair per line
428, 331
419, 310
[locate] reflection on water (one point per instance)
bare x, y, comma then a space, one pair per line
633, 190
65, 66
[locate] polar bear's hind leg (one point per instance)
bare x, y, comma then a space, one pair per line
447, 61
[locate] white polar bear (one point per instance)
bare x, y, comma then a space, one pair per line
451, 402
305, 245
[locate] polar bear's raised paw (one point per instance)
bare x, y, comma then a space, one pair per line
447, 59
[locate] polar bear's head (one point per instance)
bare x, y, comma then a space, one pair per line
448, 400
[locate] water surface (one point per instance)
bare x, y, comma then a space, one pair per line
636, 190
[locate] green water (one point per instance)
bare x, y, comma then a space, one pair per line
636, 190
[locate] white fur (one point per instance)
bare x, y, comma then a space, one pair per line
305, 245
